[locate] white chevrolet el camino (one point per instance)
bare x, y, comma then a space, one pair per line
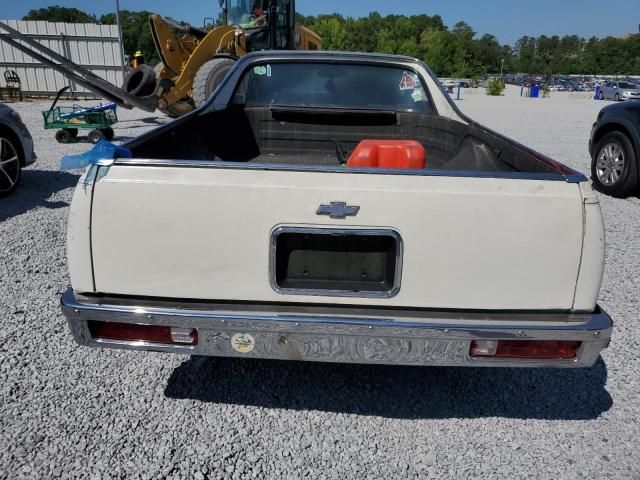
337, 207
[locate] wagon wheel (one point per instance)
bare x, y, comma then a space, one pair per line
95, 136
72, 131
64, 136
108, 133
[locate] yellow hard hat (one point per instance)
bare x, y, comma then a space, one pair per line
139, 54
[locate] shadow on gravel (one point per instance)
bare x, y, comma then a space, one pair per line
35, 187
146, 121
395, 392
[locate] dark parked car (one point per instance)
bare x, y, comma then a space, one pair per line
16, 149
615, 150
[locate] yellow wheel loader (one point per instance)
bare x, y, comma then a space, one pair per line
194, 61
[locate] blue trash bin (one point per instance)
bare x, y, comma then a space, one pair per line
597, 95
535, 91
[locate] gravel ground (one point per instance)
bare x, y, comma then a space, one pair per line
75, 412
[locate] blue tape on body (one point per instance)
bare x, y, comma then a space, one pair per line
102, 150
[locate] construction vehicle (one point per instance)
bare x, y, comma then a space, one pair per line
193, 60
193, 64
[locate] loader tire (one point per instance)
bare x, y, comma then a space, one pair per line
209, 75
158, 68
181, 107
175, 110
141, 82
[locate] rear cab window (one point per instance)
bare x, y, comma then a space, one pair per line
333, 86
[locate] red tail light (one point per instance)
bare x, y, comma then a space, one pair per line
555, 165
143, 333
532, 349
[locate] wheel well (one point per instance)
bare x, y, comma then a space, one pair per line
4, 130
230, 56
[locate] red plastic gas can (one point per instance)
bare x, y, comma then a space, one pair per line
402, 154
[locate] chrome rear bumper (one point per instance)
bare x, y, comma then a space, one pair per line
341, 334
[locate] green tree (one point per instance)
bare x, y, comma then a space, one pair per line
489, 53
136, 33
449, 52
332, 31
495, 87
60, 14
438, 50
465, 60
526, 54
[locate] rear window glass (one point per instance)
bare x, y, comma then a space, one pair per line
333, 86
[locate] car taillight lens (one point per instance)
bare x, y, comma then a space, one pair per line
143, 333
555, 165
533, 349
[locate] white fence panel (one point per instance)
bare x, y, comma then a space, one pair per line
95, 47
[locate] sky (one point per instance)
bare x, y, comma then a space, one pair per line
508, 20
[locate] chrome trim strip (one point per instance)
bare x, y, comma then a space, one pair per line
438, 338
153, 162
397, 279
142, 345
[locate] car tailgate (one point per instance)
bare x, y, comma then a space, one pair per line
206, 232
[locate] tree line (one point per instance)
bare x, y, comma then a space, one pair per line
136, 33
459, 52
450, 52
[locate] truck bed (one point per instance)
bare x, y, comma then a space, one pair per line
265, 135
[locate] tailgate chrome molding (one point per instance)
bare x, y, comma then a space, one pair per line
383, 337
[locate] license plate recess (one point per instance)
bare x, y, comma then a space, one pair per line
336, 262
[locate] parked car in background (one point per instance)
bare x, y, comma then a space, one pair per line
298, 215
619, 91
16, 149
615, 150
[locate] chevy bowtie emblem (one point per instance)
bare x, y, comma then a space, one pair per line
338, 210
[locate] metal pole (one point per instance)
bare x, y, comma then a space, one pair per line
120, 39
66, 52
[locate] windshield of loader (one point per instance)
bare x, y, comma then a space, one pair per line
323, 85
248, 13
